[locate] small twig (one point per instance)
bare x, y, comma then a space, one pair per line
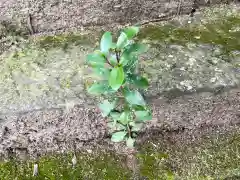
179, 7
129, 130
163, 18
29, 23
108, 62
117, 55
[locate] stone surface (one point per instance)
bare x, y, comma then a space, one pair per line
40, 132
57, 15
44, 105
51, 72
50, 130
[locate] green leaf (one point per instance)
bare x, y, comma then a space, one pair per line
115, 115
102, 72
118, 136
137, 127
131, 31
96, 59
120, 127
143, 115
132, 123
130, 142
124, 59
113, 60
111, 124
138, 81
96, 89
124, 118
116, 78
134, 134
114, 46
122, 41
134, 98
106, 107
139, 108
136, 49
129, 56
131, 64
100, 88
106, 42
114, 126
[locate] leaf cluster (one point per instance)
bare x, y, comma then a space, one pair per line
116, 65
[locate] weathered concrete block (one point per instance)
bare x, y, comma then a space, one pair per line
55, 15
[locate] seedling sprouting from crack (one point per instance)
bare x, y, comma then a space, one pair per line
116, 64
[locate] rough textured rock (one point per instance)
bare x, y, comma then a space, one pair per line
198, 110
50, 130
39, 132
49, 75
55, 15
196, 57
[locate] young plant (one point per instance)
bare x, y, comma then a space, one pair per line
116, 65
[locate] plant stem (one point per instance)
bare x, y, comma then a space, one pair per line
129, 130
117, 55
108, 62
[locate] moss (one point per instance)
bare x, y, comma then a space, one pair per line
192, 57
10, 28
65, 40
214, 157
222, 32
36, 73
153, 164
89, 166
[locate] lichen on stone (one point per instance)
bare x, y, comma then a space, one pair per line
200, 55
37, 76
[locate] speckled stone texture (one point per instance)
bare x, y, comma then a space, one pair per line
52, 15
40, 132
34, 78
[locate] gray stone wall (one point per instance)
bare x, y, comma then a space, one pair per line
52, 15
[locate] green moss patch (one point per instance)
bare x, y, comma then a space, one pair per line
89, 166
224, 33
64, 40
200, 56
214, 157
